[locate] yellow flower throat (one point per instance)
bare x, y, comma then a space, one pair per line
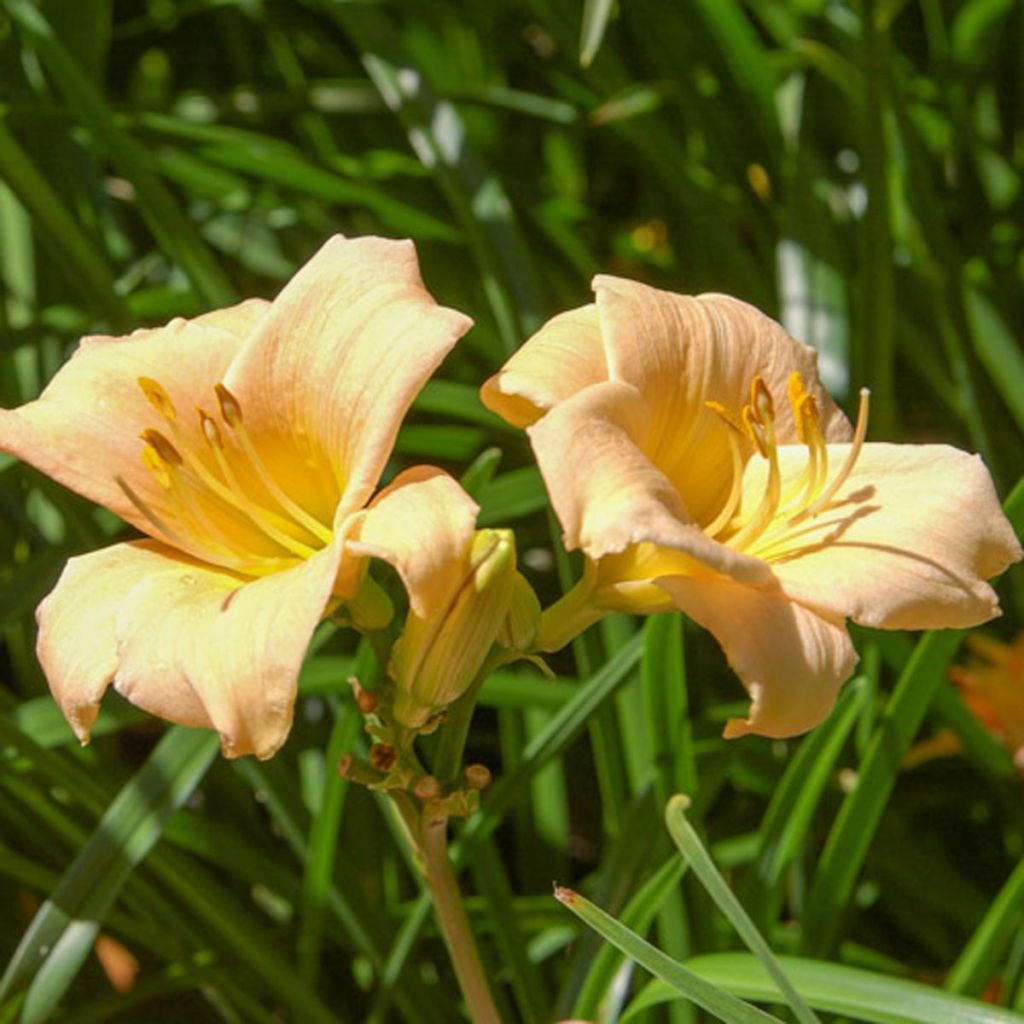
782, 506
211, 493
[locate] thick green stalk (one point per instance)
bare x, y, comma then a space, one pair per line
451, 916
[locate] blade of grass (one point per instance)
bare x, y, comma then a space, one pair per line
595, 20
980, 958
833, 988
851, 834
65, 928
637, 914
719, 1004
65, 241
172, 230
850, 838
693, 850
790, 813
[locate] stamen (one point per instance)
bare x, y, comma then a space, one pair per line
860, 432
736, 492
167, 464
765, 512
761, 402
754, 430
260, 567
158, 398
162, 447
148, 514
232, 413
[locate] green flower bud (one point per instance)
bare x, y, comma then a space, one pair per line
436, 659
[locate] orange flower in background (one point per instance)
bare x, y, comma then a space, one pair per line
692, 455
246, 444
992, 686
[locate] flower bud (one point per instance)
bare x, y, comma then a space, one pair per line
519, 629
436, 659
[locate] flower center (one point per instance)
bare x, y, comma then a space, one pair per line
782, 506
223, 495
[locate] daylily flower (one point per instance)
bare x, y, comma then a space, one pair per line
992, 686
245, 443
691, 453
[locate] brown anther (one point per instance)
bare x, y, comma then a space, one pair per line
210, 429
367, 701
229, 407
345, 765
478, 776
761, 401
427, 789
158, 398
167, 452
383, 757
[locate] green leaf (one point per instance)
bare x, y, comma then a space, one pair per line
63, 931
833, 988
690, 846
690, 985
595, 20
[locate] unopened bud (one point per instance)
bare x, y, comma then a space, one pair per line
427, 789
435, 661
519, 629
478, 776
383, 757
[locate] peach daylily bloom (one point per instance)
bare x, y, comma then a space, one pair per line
691, 453
992, 686
246, 444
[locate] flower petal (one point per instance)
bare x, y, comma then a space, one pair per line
337, 361
84, 428
682, 351
908, 542
791, 660
422, 524
563, 357
183, 641
607, 493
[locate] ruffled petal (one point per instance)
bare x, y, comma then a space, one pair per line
563, 357
791, 660
422, 524
183, 641
84, 428
335, 364
908, 542
682, 351
607, 494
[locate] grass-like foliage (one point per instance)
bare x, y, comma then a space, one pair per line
854, 169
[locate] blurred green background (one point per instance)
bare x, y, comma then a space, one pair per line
854, 169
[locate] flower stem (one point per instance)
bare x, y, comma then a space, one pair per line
451, 916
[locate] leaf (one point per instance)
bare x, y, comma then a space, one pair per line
64, 929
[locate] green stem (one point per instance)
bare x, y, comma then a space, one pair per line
569, 616
451, 916
458, 718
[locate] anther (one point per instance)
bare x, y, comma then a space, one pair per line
860, 432
210, 429
229, 407
761, 401
162, 447
158, 398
